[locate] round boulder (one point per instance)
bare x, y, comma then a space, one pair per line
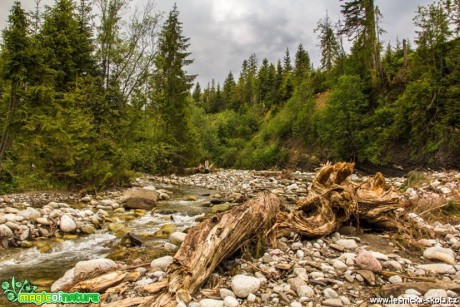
243, 285
67, 224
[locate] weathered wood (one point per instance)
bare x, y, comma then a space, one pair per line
422, 287
100, 283
333, 200
210, 242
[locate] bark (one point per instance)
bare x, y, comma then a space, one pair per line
210, 242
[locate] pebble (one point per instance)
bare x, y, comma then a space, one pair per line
177, 238
6, 232
162, 263
435, 293
440, 268
366, 261
207, 302
67, 224
396, 279
225, 292
333, 302
230, 301
439, 253
243, 285
251, 298
330, 293
305, 291
347, 243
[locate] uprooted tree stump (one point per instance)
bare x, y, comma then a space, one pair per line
333, 200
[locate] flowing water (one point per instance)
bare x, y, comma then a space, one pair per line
42, 268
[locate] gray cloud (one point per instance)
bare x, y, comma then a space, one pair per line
223, 33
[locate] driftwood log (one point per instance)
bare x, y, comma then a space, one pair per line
210, 242
333, 199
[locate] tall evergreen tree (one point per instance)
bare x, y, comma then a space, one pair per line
330, 48
173, 83
361, 25
17, 59
302, 66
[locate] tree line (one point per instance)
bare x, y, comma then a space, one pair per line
376, 103
87, 99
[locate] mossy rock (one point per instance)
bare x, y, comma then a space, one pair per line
416, 179
132, 253
191, 198
140, 212
220, 208
165, 231
45, 246
69, 237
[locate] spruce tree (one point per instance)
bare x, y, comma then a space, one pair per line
16, 59
172, 84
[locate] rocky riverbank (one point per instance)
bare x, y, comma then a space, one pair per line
345, 268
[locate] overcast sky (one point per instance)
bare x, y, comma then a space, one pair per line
225, 32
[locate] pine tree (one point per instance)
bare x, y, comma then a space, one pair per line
228, 92
172, 83
302, 66
362, 25
61, 41
17, 59
330, 48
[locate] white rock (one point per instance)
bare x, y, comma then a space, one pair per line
64, 281
296, 304
207, 302
251, 298
439, 253
169, 247
225, 292
143, 282
230, 301
440, 268
300, 254
243, 285
379, 256
347, 243
305, 291
395, 279
43, 221
333, 302
6, 231
177, 237
67, 224
330, 293
85, 267
29, 214
162, 263
413, 292
435, 293
339, 265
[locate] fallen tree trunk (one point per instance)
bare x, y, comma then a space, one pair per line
210, 242
333, 200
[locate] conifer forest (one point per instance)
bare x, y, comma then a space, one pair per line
90, 95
